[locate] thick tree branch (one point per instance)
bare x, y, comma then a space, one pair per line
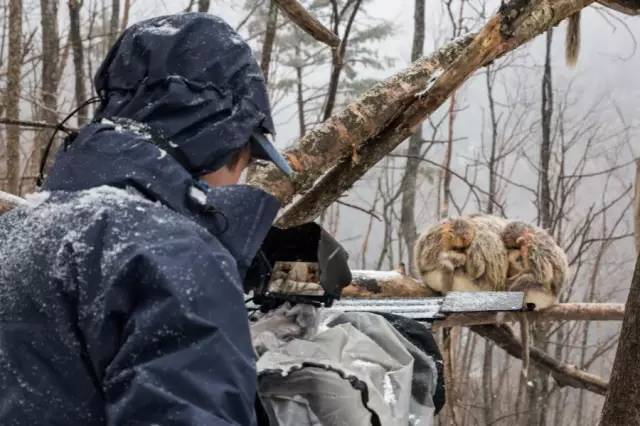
559, 312
395, 284
302, 18
385, 284
352, 141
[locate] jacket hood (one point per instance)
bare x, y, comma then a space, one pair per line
193, 81
107, 154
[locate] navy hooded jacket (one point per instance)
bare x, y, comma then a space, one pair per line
121, 297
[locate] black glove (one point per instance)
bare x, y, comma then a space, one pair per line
308, 243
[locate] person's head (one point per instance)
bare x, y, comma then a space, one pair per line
230, 173
196, 84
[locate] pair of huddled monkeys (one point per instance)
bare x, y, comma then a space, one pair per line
489, 253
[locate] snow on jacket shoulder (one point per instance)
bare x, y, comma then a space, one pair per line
117, 309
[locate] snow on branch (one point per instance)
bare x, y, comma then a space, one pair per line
9, 201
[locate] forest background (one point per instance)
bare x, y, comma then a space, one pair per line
526, 137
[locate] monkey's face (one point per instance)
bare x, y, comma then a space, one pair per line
516, 235
462, 234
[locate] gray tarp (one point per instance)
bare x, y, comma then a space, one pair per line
321, 367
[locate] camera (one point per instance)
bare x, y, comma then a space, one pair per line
301, 264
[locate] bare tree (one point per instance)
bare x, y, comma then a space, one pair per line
269, 39
410, 178
50, 78
338, 56
637, 208
125, 15
78, 57
12, 97
114, 24
534, 410
203, 5
621, 407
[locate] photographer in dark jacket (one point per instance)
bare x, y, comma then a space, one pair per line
121, 286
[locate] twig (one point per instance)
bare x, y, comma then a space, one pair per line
361, 209
302, 18
564, 374
34, 124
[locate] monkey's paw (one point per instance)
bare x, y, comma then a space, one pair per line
450, 260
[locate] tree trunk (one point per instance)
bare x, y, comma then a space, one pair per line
493, 181
410, 178
269, 39
114, 24
50, 80
544, 199
78, 58
300, 93
536, 393
203, 5
12, 100
125, 15
487, 383
622, 405
637, 208
337, 61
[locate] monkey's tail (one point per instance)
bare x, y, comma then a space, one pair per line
572, 44
524, 336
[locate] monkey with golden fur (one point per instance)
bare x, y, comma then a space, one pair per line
537, 265
462, 254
